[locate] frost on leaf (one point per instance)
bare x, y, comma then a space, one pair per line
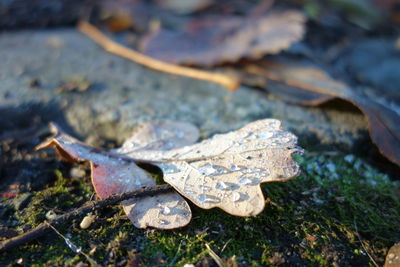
115, 174
226, 170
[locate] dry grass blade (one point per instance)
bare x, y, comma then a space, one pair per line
362, 244
73, 247
230, 83
215, 256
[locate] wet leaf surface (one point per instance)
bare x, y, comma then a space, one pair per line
167, 136
115, 174
226, 39
224, 171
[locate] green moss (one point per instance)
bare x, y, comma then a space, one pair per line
311, 220
315, 220
62, 195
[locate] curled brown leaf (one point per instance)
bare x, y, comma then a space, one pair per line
309, 84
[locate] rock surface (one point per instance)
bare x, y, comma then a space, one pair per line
123, 94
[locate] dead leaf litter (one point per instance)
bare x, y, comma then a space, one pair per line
224, 171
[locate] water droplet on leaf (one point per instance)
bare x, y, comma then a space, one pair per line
235, 196
222, 186
166, 210
265, 135
245, 181
205, 198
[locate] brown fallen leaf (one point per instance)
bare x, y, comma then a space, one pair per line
212, 41
115, 174
310, 85
224, 171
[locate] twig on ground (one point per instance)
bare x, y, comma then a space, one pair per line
176, 255
44, 227
226, 244
113, 47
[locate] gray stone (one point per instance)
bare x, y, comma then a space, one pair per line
123, 94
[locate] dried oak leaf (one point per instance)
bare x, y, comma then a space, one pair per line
310, 85
115, 174
226, 171
212, 41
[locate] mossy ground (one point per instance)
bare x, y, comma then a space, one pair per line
340, 212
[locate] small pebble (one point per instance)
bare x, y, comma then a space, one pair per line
51, 215
77, 173
87, 221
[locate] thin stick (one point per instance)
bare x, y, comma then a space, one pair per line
109, 45
72, 246
215, 256
362, 244
44, 227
